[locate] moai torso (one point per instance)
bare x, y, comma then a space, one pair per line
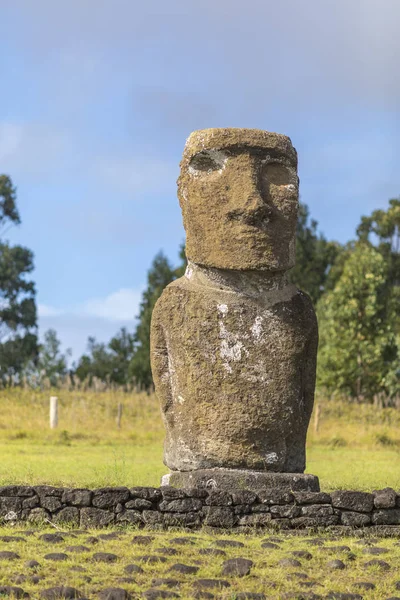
233, 343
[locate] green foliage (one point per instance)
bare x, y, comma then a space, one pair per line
357, 343
8, 202
18, 339
314, 256
52, 363
108, 362
159, 276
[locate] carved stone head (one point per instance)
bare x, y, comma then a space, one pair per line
238, 191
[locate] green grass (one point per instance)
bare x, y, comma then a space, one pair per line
266, 575
356, 447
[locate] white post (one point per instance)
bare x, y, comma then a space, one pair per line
53, 412
119, 414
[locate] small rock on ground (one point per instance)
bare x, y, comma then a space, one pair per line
157, 594
51, 538
239, 567
336, 564
6, 555
184, 569
133, 569
211, 583
171, 583
113, 593
378, 563
364, 585
229, 544
56, 556
15, 592
61, 591
105, 557
142, 540
289, 562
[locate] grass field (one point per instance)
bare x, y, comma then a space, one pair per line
154, 556
356, 447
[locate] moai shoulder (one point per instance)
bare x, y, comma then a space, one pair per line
233, 344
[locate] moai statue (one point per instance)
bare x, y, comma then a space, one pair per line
233, 344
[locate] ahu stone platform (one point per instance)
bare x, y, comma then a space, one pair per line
167, 507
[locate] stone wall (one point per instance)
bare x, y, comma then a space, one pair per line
193, 508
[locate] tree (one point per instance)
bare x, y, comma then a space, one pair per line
52, 363
357, 342
18, 327
159, 276
122, 349
383, 227
108, 362
382, 230
314, 256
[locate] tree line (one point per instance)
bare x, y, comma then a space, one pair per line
355, 288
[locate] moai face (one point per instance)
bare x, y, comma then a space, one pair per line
238, 191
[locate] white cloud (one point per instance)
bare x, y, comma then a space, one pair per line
119, 306
122, 305
98, 317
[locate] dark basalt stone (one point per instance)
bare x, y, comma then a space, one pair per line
105, 557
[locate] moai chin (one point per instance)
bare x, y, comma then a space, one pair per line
233, 344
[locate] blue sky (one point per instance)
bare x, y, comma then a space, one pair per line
99, 96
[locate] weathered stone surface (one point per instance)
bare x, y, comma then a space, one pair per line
218, 516
15, 592
312, 498
219, 479
273, 496
50, 503
10, 504
355, 501
38, 515
147, 493
139, 504
61, 591
255, 520
244, 497
385, 498
69, 515
219, 498
238, 567
181, 505
389, 516
318, 521
32, 502
109, 497
317, 510
130, 516
95, 517
235, 369
78, 497
176, 519
285, 512
16, 490
114, 593
49, 490
355, 519
227, 202
153, 517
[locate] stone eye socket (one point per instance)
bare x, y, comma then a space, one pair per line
207, 161
277, 174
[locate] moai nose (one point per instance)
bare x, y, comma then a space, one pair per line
251, 183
